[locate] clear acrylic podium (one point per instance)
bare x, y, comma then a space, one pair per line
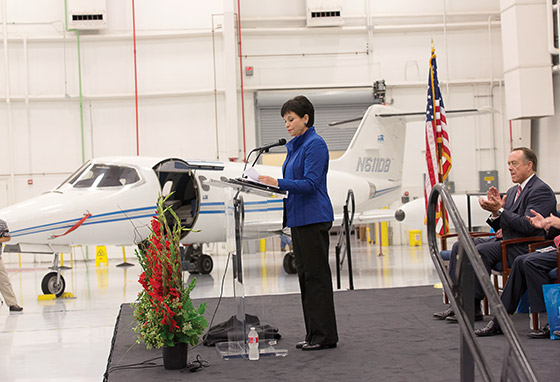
235, 189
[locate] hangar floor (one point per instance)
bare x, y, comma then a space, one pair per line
69, 339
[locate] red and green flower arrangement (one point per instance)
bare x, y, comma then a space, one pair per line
164, 310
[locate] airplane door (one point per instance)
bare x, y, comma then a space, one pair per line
176, 178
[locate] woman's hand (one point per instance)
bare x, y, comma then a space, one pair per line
553, 221
540, 221
268, 180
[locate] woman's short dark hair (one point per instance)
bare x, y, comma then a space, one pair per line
529, 156
301, 106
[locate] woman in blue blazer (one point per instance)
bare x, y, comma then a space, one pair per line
308, 212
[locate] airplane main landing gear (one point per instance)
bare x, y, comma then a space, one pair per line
194, 261
290, 263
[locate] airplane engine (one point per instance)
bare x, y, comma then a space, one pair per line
412, 214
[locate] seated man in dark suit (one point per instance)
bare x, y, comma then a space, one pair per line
529, 272
508, 215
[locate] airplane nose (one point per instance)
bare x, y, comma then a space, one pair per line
400, 215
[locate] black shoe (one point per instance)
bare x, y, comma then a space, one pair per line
491, 329
15, 308
443, 315
317, 346
301, 344
478, 316
543, 332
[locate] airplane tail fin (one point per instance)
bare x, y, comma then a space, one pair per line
377, 148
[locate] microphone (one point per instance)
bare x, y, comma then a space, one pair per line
265, 148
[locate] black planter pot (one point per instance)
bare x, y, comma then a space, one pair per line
175, 357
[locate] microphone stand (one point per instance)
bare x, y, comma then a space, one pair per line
261, 150
259, 155
247, 160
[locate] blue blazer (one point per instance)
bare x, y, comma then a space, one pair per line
305, 179
536, 195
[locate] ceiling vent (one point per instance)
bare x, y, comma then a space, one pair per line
324, 13
87, 14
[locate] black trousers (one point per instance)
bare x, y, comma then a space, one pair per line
529, 272
490, 253
311, 250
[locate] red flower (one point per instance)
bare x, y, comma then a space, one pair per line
162, 279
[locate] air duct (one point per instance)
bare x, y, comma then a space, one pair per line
324, 13
87, 14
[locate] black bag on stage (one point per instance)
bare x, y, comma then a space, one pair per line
232, 329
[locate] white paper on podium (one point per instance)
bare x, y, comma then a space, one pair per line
252, 173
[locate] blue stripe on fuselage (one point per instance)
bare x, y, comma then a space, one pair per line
69, 223
20, 231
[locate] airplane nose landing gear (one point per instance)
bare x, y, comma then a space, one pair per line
51, 284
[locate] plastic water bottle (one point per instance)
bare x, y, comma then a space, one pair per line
253, 342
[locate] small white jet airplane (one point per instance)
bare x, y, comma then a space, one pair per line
111, 201
412, 214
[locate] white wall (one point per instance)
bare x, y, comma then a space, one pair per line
176, 74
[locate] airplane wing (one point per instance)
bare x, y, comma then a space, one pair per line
412, 116
262, 228
421, 115
37, 248
375, 216
368, 217
274, 227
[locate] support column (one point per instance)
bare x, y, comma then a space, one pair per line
527, 63
231, 72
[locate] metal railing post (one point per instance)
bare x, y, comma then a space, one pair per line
461, 295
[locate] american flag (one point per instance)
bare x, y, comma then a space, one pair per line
438, 153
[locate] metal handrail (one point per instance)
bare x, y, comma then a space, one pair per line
346, 228
461, 297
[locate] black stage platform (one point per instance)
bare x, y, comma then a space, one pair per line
385, 335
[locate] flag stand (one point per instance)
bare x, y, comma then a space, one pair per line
438, 153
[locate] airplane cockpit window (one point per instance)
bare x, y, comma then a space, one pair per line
75, 175
101, 175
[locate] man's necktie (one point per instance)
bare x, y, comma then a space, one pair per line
518, 192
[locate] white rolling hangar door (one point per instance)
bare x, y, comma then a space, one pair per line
330, 106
